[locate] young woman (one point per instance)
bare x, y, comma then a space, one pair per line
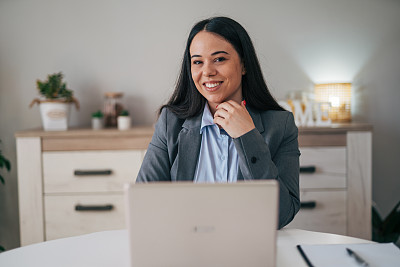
221, 124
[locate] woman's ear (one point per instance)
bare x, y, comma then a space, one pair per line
243, 70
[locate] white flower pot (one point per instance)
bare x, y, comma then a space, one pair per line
124, 122
97, 123
55, 115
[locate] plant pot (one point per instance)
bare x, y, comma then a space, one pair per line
97, 123
124, 122
55, 115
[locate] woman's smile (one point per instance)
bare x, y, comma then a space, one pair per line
212, 86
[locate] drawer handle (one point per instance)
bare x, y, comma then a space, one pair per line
308, 169
92, 172
308, 205
93, 207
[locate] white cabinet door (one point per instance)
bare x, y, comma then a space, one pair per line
76, 215
329, 164
89, 171
328, 215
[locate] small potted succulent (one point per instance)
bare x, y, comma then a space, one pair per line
55, 102
97, 120
124, 120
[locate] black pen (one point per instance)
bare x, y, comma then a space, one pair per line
357, 257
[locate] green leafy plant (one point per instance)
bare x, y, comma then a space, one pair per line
97, 114
124, 113
387, 230
4, 163
54, 89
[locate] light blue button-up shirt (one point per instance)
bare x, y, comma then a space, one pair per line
218, 158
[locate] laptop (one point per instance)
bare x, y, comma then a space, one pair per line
183, 224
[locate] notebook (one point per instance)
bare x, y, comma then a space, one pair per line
332, 255
184, 224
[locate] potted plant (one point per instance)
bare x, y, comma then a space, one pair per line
4, 164
55, 106
124, 120
97, 120
388, 229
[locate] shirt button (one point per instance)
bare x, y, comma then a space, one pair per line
222, 157
253, 159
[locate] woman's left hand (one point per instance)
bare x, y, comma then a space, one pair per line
233, 118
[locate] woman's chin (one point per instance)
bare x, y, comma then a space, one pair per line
214, 100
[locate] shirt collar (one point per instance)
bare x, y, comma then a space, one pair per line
207, 118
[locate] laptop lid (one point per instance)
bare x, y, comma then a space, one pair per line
184, 224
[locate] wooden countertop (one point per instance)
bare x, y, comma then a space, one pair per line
337, 128
85, 132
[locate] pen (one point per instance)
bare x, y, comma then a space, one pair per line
357, 257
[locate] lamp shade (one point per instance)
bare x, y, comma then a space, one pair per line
337, 100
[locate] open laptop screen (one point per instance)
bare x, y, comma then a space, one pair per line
187, 224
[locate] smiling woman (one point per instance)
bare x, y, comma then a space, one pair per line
216, 69
222, 124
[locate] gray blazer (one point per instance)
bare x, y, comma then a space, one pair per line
270, 151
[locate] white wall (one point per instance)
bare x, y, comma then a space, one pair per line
136, 47
377, 88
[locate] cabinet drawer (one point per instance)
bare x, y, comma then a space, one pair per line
329, 164
329, 214
88, 171
97, 213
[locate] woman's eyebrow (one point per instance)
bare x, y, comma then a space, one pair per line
219, 52
213, 54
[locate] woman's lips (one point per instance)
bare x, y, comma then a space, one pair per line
212, 86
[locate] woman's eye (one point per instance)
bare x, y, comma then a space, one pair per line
196, 62
220, 59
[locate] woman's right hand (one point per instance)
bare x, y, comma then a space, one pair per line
234, 118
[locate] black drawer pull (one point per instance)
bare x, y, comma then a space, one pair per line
92, 172
308, 205
93, 207
308, 169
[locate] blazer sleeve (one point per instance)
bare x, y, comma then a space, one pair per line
256, 162
156, 163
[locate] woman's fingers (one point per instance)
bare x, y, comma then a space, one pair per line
233, 118
228, 105
223, 113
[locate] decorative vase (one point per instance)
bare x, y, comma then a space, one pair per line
97, 123
55, 115
124, 122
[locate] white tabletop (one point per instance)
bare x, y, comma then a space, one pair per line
110, 248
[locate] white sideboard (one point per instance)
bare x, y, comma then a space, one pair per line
70, 182
335, 180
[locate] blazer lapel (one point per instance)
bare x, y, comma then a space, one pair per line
189, 141
255, 115
259, 126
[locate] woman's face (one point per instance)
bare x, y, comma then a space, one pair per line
216, 68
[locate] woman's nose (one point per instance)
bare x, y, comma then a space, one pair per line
209, 70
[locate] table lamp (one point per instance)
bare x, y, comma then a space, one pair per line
338, 97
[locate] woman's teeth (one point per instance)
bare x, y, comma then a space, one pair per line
212, 85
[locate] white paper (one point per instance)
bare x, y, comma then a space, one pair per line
375, 254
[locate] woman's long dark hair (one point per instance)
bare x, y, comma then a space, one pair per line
186, 101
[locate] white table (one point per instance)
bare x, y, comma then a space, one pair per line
110, 248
